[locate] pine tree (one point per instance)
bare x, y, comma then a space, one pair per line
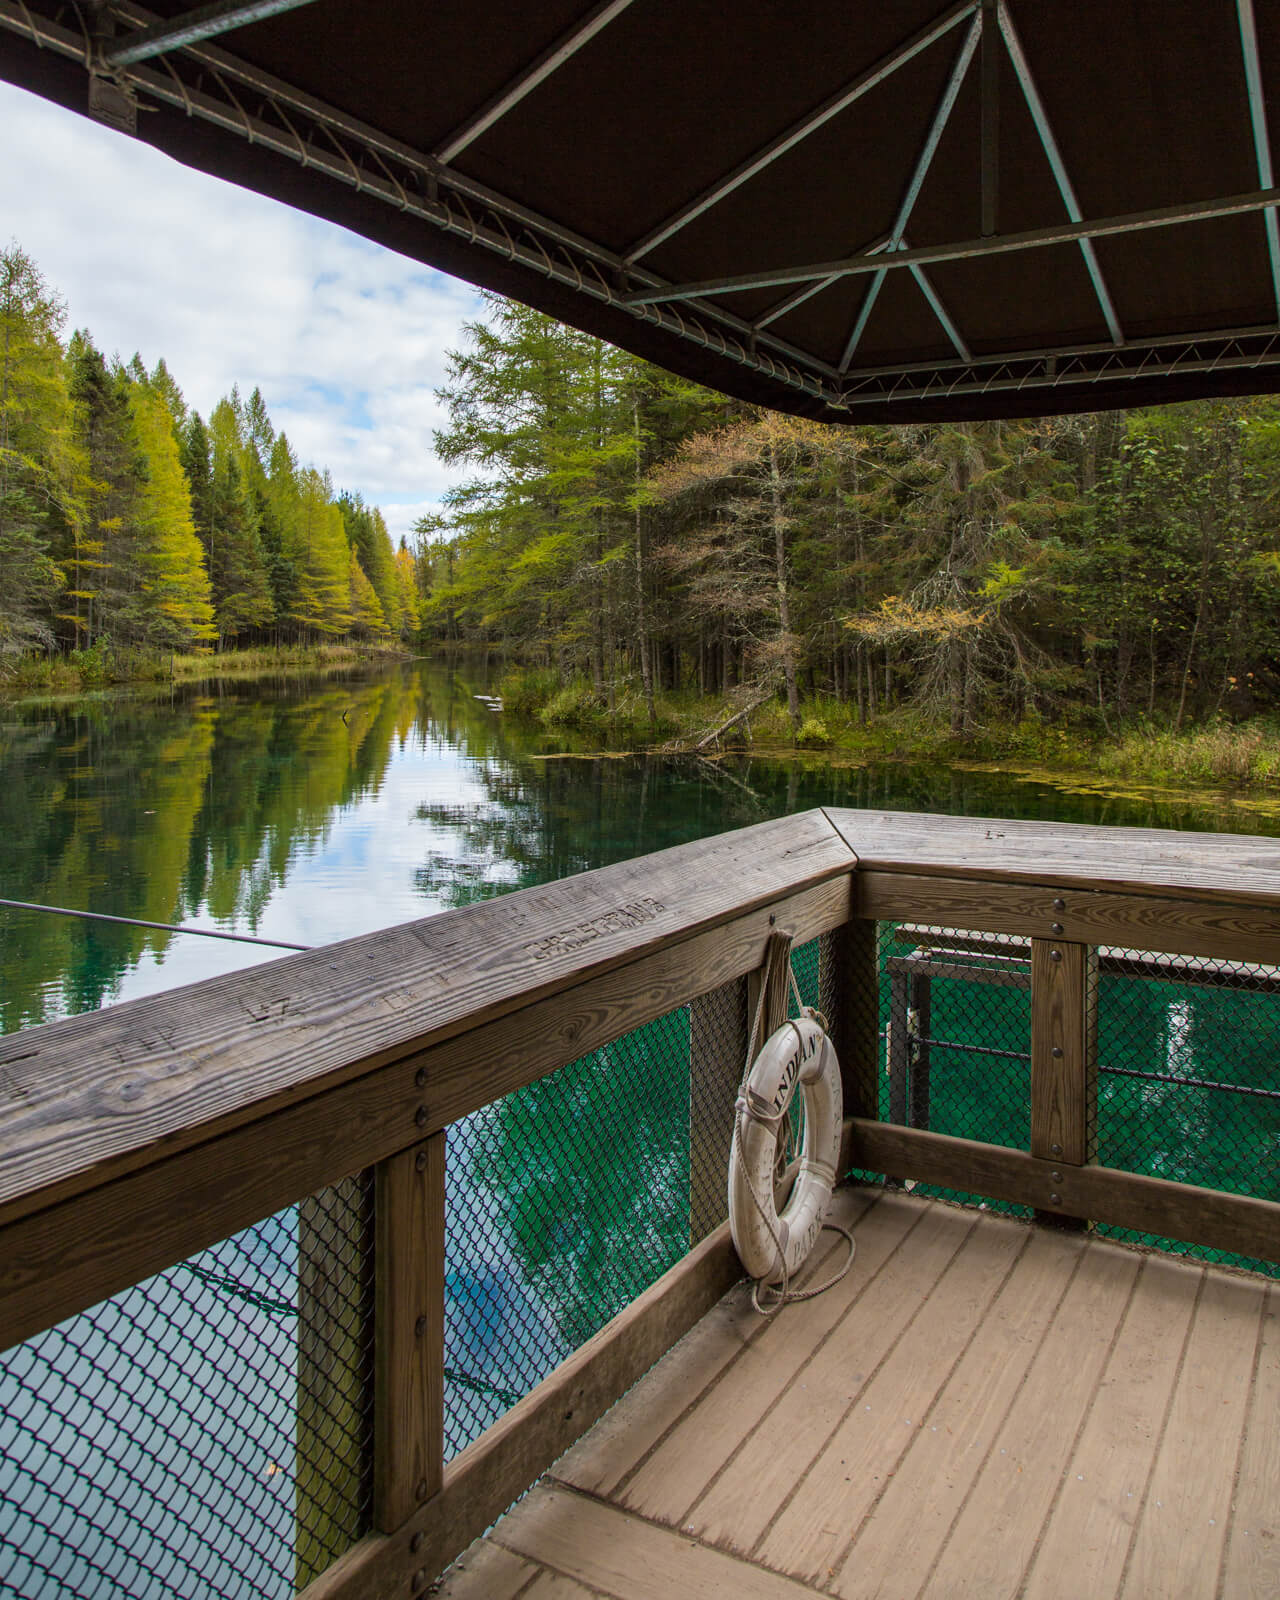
233, 547
178, 610
41, 473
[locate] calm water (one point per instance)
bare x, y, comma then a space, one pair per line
150, 1447
309, 812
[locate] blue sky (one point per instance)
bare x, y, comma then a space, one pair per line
346, 340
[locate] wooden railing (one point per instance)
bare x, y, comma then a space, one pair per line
134, 1137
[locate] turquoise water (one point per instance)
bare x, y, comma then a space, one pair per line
150, 1447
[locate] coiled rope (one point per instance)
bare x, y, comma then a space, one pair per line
779, 1295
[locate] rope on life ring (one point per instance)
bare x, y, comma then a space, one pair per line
798, 1057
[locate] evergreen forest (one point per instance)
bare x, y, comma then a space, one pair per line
130, 524
629, 539
634, 534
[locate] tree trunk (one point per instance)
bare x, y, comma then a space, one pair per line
784, 606
642, 621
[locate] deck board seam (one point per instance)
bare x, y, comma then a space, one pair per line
846, 1551
1086, 1414
534, 1576
1158, 1446
717, 1378
781, 1509
1229, 1531
678, 1533
830, 1334
999, 1426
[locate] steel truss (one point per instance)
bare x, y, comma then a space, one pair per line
207, 83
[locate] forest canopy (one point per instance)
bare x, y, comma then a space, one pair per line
638, 533
130, 522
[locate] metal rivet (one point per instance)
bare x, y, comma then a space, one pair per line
1057, 1052
1056, 1176
772, 919
420, 1076
1055, 955
1055, 1199
423, 1489
1059, 905
420, 1116
1056, 928
415, 1544
420, 1161
420, 1326
419, 1577
1055, 1149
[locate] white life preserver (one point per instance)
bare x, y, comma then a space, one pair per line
799, 1055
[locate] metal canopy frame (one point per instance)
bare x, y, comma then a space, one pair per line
193, 27
170, 61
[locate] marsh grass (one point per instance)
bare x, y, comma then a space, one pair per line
83, 671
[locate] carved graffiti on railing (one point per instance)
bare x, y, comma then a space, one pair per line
632, 915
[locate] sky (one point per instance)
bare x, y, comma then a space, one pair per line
346, 340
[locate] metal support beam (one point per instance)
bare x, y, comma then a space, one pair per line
924, 160
798, 131
1065, 188
1261, 139
205, 22
871, 248
990, 117
943, 315
967, 249
551, 59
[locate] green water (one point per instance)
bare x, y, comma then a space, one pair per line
149, 1447
308, 812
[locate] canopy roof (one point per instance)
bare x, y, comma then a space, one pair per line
887, 212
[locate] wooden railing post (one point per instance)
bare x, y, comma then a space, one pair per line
718, 1023
1064, 1059
408, 1425
335, 1249
854, 998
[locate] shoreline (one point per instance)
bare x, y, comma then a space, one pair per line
1215, 763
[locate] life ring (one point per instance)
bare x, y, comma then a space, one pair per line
799, 1055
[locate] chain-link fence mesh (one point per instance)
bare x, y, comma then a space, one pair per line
1189, 1077
568, 1198
205, 1433
1187, 1053
955, 1039
209, 1431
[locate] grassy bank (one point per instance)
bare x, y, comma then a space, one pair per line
1217, 755
82, 671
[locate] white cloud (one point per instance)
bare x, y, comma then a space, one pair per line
346, 340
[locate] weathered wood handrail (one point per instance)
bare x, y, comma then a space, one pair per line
132, 1138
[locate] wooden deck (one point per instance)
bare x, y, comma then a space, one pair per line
981, 1408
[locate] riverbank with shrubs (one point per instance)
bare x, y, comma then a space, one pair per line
1218, 755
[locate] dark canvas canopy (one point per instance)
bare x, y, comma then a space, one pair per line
850, 211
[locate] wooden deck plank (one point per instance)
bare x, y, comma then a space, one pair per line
1182, 1531
675, 1475
629, 1558
991, 1544
555, 1586
625, 1435
813, 1530
1091, 1528
487, 1572
1252, 1565
740, 1504
1094, 1413
896, 1546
